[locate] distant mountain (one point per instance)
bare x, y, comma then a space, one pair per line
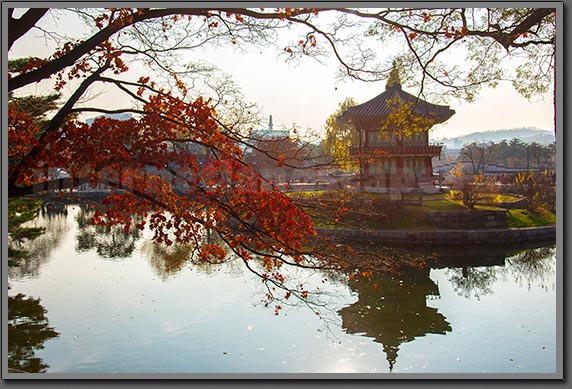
525, 134
117, 116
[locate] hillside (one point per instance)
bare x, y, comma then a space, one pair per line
525, 134
118, 116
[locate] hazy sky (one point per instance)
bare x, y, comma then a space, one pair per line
307, 94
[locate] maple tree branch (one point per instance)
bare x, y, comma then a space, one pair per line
425, 72
266, 278
531, 42
77, 52
55, 65
120, 85
18, 27
282, 259
227, 208
507, 39
249, 226
56, 122
349, 69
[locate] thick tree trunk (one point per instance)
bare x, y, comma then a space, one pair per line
18, 27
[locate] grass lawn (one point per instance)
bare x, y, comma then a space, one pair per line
377, 211
414, 217
519, 218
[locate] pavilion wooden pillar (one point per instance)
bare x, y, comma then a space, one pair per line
399, 164
429, 168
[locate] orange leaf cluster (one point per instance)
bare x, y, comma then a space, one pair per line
33, 63
22, 135
179, 194
208, 252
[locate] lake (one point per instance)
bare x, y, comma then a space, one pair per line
90, 302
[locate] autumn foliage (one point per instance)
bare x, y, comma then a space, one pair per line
178, 194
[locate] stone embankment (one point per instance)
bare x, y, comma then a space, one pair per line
468, 219
446, 237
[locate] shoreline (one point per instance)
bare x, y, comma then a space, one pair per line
437, 237
446, 236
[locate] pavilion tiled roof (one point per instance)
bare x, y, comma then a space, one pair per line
382, 105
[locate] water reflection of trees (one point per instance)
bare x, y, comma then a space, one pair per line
28, 330
473, 281
533, 266
393, 310
168, 261
20, 212
109, 241
53, 217
54, 209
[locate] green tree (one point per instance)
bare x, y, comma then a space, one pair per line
518, 153
540, 157
340, 136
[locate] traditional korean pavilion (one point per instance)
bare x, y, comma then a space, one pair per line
393, 149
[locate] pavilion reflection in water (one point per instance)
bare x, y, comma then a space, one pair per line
393, 310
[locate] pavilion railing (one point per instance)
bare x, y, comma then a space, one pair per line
380, 149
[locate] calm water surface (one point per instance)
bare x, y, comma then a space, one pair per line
91, 302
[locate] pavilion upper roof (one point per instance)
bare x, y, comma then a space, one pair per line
381, 106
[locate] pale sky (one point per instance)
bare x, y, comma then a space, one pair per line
307, 94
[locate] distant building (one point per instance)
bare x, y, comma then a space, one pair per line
269, 133
386, 156
443, 171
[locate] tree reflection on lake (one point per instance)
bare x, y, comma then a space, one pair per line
53, 217
533, 267
475, 275
166, 261
109, 241
28, 330
189, 308
473, 281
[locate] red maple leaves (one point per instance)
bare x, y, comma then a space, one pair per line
183, 193
172, 167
